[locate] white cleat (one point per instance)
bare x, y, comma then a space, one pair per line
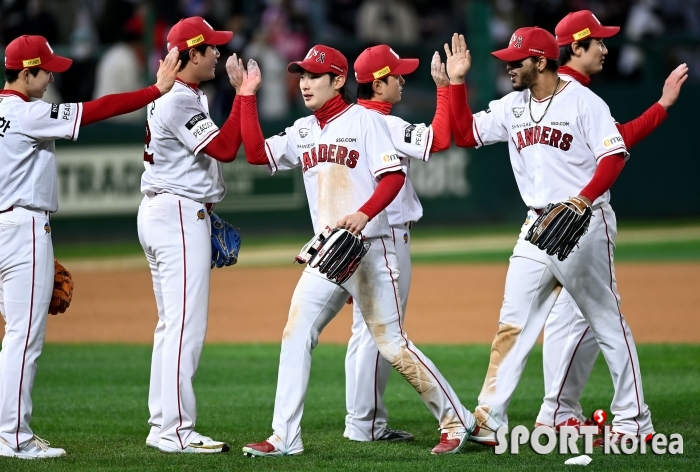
203, 445
37, 448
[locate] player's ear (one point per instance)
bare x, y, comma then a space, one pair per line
377, 86
339, 82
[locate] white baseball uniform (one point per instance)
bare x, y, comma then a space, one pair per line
28, 193
553, 160
180, 183
341, 163
366, 371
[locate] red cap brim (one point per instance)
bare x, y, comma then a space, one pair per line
217, 38
509, 55
406, 66
57, 64
606, 31
310, 66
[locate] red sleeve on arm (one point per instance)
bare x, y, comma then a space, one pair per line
224, 146
441, 122
387, 190
634, 131
461, 117
604, 176
253, 140
117, 104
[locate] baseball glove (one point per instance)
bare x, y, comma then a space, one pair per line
62, 289
336, 253
225, 242
560, 226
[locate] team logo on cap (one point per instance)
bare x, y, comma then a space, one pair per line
194, 41
516, 41
321, 58
31, 62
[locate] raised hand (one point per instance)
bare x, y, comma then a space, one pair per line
437, 70
252, 79
672, 86
235, 71
167, 71
459, 59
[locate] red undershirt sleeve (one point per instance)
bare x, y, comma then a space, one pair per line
385, 193
253, 139
634, 131
461, 117
224, 146
441, 122
117, 104
604, 176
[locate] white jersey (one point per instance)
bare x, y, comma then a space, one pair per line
28, 131
177, 130
555, 159
412, 141
341, 164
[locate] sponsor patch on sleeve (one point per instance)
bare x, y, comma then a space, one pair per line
65, 111
612, 141
408, 132
388, 157
54, 111
200, 125
415, 134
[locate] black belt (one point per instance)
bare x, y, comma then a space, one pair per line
13, 207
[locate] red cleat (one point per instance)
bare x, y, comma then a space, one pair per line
261, 449
451, 443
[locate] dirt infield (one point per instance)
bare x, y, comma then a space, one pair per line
448, 304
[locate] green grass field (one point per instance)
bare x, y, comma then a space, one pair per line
91, 400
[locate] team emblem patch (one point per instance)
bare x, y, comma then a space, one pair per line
405, 238
518, 111
47, 227
200, 214
303, 132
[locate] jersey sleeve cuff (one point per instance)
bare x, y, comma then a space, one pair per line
272, 165
77, 122
618, 150
205, 141
479, 142
428, 144
391, 168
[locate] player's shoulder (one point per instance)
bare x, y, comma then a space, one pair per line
394, 121
181, 95
573, 89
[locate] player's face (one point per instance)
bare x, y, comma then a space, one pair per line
37, 85
593, 59
207, 63
317, 89
523, 74
393, 89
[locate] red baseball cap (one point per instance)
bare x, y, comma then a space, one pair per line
580, 25
321, 60
34, 51
527, 42
194, 31
379, 61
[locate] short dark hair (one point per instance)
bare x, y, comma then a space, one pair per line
344, 93
366, 91
13, 74
552, 64
565, 52
184, 56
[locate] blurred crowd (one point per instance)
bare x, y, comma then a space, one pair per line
116, 44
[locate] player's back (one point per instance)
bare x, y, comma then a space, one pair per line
178, 129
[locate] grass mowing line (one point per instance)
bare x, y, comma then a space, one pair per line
92, 401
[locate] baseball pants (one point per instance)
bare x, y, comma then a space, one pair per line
366, 371
26, 285
532, 285
316, 301
177, 243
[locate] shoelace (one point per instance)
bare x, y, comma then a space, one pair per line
41, 443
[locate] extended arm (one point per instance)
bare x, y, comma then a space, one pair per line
441, 122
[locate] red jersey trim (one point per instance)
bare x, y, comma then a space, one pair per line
206, 141
270, 157
78, 119
426, 154
392, 168
339, 114
617, 150
15, 93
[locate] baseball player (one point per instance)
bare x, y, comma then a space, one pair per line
379, 71
28, 194
181, 183
570, 348
563, 143
351, 172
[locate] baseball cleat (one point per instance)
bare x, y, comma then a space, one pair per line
37, 448
262, 449
616, 438
153, 439
395, 435
203, 445
484, 436
451, 443
571, 422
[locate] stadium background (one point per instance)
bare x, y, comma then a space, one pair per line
472, 212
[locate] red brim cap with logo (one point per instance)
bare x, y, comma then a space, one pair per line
379, 61
34, 51
581, 25
529, 42
321, 60
195, 31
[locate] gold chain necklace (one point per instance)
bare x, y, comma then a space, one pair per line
529, 105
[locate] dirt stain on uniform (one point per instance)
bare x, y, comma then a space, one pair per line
336, 198
412, 370
291, 321
504, 341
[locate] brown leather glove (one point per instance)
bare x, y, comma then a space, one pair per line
62, 289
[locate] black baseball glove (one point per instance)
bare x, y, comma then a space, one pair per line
336, 253
560, 226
